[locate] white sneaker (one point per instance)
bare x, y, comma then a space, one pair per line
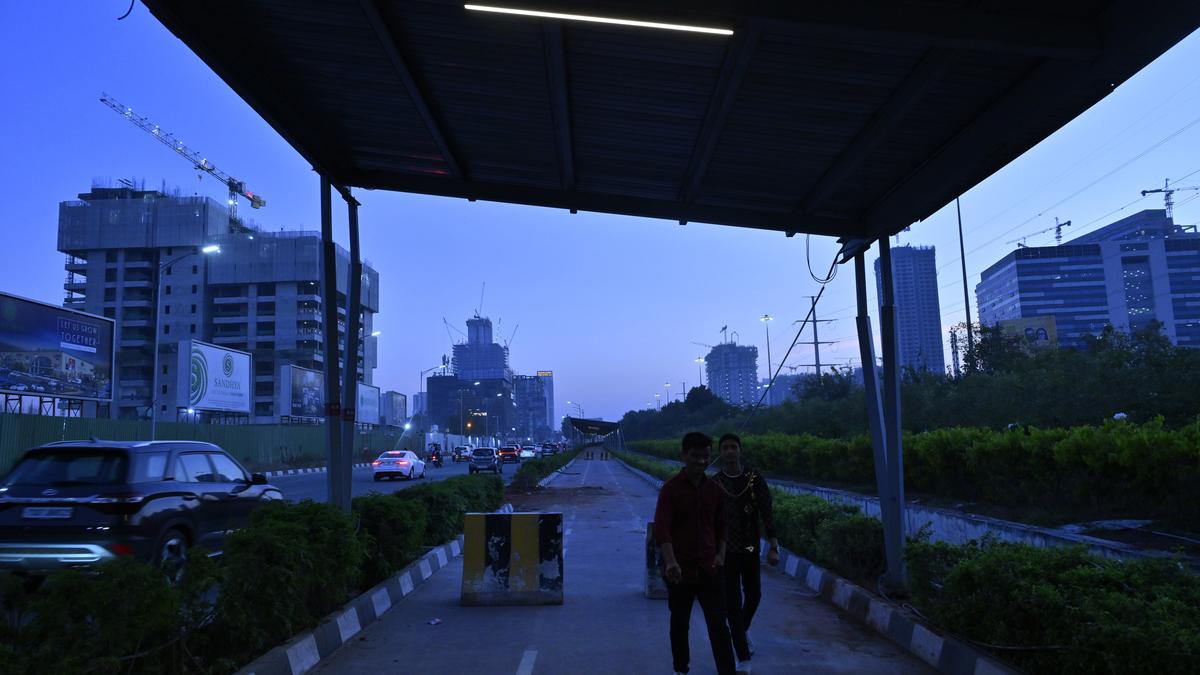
743, 667
749, 644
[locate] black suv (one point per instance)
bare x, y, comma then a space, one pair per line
75, 503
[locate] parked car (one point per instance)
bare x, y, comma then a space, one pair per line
461, 453
484, 459
78, 503
398, 464
528, 452
510, 453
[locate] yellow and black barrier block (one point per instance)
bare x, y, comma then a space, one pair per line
512, 559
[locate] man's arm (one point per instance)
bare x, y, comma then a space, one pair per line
762, 495
662, 536
721, 528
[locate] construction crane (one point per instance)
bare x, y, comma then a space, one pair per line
1057, 229
236, 187
1168, 194
510, 337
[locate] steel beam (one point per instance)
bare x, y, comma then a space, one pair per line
560, 100
350, 360
338, 475
893, 517
388, 41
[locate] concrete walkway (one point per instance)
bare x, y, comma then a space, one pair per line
605, 626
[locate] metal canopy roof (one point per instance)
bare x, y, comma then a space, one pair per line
852, 118
594, 427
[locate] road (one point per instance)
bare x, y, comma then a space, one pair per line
314, 486
605, 625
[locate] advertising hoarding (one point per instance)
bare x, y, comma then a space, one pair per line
306, 391
366, 408
214, 378
51, 351
1034, 331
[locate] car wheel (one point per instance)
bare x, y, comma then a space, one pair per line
171, 555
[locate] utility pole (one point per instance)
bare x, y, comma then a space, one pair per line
767, 319
962, 256
816, 341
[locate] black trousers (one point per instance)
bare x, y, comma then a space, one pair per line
680, 598
743, 591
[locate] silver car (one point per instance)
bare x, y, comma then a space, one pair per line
484, 459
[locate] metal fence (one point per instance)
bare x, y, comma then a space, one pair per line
257, 445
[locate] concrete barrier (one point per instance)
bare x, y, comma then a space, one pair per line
512, 559
656, 586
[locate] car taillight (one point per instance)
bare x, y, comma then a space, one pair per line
403, 461
376, 463
121, 549
121, 503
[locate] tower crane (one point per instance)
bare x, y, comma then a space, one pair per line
1168, 194
236, 187
1057, 229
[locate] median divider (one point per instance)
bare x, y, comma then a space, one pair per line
512, 559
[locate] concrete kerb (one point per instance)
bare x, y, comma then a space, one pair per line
556, 473
303, 652
316, 469
946, 654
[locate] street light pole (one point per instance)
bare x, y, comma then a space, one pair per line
162, 266
767, 319
700, 369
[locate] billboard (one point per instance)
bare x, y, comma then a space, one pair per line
366, 407
306, 392
214, 378
1034, 331
50, 351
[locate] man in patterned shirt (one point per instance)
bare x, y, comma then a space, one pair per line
747, 500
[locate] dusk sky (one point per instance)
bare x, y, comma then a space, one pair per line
611, 304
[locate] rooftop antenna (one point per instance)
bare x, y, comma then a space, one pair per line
724, 333
479, 309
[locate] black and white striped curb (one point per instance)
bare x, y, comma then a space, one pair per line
315, 469
305, 651
947, 655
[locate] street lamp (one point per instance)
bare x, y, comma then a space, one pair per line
667, 386
700, 369
658, 401
377, 333
767, 319
209, 249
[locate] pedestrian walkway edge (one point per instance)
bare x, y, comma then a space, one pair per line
947, 655
556, 473
303, 652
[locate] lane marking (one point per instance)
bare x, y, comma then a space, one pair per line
527, 661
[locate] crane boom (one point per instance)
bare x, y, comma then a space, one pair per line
236, 187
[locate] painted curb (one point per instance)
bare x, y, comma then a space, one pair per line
303, 652
945, 654
557, 472
297, 472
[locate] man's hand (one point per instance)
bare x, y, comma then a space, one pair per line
673, 573
773, 557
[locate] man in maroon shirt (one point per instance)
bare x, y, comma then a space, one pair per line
689, 527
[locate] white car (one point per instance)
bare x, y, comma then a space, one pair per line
528, 452
398, 464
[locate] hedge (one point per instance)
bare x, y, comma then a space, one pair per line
293, 565
533, 471
1117, 470
1046, 610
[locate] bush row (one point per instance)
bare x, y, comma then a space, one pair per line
533, 471
293, 565
1046, 610
1116, 470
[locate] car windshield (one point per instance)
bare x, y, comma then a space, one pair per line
483, 452
70, 466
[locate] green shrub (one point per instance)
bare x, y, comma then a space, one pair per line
392, 532
797, 518
481, 493
852, 545
533, 471
444, 508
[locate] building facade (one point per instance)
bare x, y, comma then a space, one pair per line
918, 313
1137, 270
531, 422
134, 256
393, 409
732, 373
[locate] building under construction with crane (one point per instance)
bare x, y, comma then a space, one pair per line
129, 257
1132, 272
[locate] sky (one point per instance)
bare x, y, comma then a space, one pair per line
612, 304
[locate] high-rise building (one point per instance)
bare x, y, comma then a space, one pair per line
529, 392
1139, 269
260, 293
547, 377
480, 358
918, 314
732, 373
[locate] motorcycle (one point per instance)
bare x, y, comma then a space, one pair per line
436, 459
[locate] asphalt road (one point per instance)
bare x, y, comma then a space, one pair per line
605, 625
314, 486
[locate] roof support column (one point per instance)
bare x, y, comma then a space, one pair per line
353, 328
338, 474
893, 511
875, 423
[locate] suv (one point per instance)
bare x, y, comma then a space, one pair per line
77, 503
461, 453
510, 453
484, 459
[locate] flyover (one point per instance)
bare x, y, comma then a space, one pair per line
851, 119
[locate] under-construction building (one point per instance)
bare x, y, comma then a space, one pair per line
732, 371
479, 358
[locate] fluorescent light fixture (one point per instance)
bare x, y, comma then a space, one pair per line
599, 19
